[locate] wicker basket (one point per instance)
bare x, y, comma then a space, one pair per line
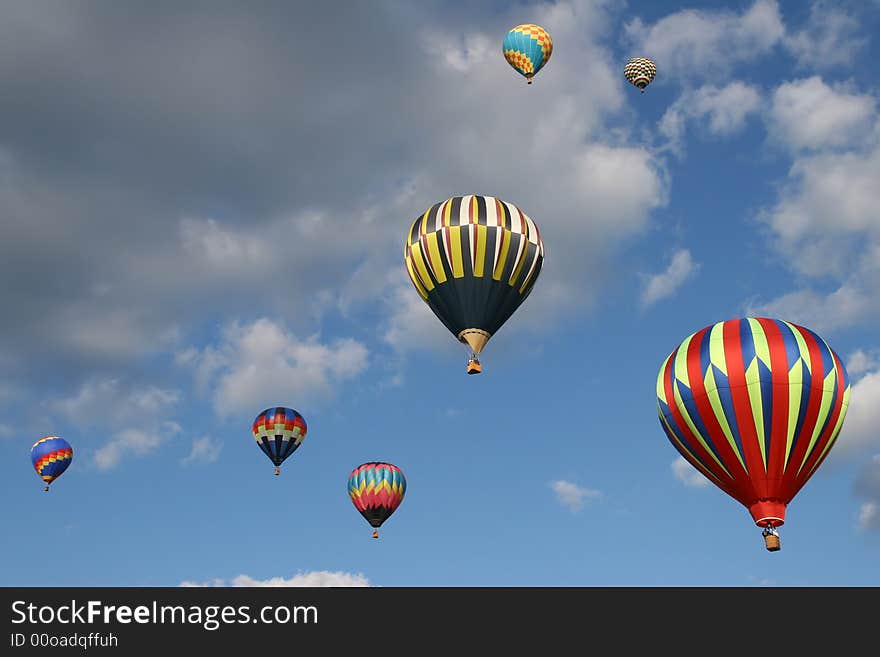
772, 542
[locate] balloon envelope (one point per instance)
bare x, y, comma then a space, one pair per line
527, 48
50, 457
279, 432
473, 260
376, 489
754, 404
640, 72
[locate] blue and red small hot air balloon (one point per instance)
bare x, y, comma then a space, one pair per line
279, 432
51, 456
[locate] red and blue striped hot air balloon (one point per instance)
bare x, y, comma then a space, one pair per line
51, 456
376, 490
279, 432
754, 404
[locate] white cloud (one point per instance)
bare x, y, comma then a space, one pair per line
809, 114
133, 442
761, 581
824, 223
411, 323
830, 38
861, 361
225, 247
571, 495
465, 52
109, 403
315, 578
261, 364
707, 43
867, 486
680, 269
120, 333
822, 312
204, 450
869, 516
305, 242
727, 109
111, 400
687, 474
859, 432
597, 188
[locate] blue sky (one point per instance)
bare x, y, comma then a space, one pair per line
203, 210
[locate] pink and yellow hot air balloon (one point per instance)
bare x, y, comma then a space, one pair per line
376, 490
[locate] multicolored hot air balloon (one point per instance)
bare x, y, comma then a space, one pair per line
473, 260
754, 404
279, 432
51, 456
376, 489
527, 48
640, 72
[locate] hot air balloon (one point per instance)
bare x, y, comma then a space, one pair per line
474, 260
51, 456
754, 404
527, 48
376, 490
640, 72
279, 432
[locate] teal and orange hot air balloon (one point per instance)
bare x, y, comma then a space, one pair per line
473, 260
279, 431
755, 404
376, 489
51, 456
527, 48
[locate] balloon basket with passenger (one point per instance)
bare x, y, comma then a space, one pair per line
771, 538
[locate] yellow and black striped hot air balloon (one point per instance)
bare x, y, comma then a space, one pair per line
474, 260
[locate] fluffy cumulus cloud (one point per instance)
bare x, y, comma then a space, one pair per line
687, 474
861, 361
859, 433
572, 496
598, 187
137, 419
810, 114
262, 363
203, 450
659, 286
708, 43
867, 487
410, 322
133, 442
824, 221
201, 182
313, 578
831, 37
724, 110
